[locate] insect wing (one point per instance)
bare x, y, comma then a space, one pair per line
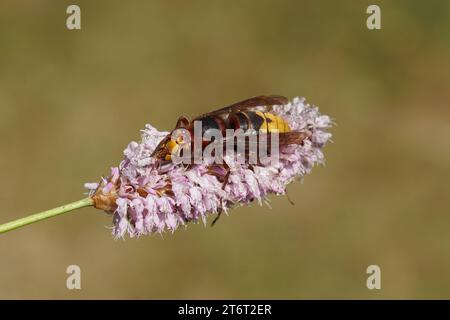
260, 103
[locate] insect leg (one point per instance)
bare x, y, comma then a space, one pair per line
289, 199
216, 218
225, 179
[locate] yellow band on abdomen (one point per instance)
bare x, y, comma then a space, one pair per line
272, 123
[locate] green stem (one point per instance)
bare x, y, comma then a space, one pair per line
45, 215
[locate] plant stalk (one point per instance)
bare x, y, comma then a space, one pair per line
45, 215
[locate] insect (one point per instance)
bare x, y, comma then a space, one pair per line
251, 115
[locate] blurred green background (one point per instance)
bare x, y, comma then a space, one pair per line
70, 101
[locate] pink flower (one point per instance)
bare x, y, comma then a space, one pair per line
144, 198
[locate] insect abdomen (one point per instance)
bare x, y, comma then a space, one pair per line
264, 122
272, 123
